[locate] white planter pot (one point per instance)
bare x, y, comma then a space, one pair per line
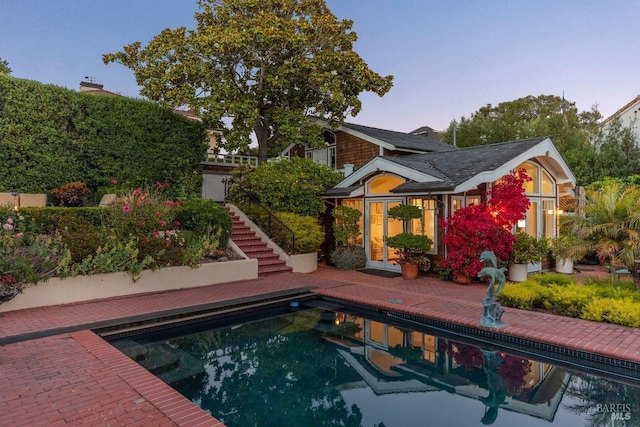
564, 265
517, 272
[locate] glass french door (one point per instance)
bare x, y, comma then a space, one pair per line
378, 226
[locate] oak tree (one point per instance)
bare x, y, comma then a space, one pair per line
263, 65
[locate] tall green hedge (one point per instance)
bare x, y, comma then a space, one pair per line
50, 136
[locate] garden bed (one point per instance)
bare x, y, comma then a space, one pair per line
57, 291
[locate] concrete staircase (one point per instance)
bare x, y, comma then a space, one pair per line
252, 245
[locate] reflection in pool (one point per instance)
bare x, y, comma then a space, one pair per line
322, 368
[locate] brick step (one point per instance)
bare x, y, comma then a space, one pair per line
270, 261
255, 249
265, 256
247, 240
274, 270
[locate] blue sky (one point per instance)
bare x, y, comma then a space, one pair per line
449, 57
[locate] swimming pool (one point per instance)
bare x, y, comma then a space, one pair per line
320, 367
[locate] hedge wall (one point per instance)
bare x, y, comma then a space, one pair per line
50, 136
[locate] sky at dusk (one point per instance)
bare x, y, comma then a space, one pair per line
449, 57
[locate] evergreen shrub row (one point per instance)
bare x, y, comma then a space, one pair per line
601, 300
51, 136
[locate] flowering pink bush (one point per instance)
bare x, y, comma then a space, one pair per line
477, 228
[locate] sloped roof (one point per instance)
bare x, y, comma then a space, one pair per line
397, 140
457, 166
460, 169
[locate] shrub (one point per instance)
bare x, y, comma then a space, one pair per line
547, 279
79, 236
293, 186
93, 139
115, 255
624, 312
528, 248
348, 258
308, 234
27, 259
204, 216
71, 194
525, 295
614, 289
568, 300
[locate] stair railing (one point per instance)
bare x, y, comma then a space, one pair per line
272, 222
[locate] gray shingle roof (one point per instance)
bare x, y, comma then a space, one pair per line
400, 140
457, 166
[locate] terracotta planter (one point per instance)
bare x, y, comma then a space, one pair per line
462, 279
409, 271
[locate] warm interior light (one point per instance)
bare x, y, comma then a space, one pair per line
560, 211
550, 211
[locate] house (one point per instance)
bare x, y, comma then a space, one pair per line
351, 146
391, 168
629, 116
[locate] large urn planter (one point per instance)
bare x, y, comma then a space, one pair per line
564, 265
409, 270
517, 272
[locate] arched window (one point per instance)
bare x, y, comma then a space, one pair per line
383, 184
542, 215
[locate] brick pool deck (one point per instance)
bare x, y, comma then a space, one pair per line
55, 371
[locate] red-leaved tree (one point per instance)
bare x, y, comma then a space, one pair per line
485, 227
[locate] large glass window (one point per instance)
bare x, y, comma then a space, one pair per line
425, 226
542, 213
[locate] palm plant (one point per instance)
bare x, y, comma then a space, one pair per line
610, 225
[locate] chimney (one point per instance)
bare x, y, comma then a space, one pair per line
348, 169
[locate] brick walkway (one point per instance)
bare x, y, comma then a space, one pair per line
54, 371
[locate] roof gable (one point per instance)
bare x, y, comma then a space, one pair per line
464, 169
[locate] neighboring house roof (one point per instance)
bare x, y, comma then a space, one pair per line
621, 111
95, 89
392, 140
464, 169
427, 131
189, 114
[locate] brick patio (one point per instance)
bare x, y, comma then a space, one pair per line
55, 371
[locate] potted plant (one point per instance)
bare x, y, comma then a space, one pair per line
349, 255
526, 249
565, 250
411, 249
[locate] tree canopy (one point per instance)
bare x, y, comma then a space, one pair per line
4, 67
528, 117
265, 65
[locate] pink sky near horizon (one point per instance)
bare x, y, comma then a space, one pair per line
449, 58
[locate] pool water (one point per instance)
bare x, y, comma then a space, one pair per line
324, 368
